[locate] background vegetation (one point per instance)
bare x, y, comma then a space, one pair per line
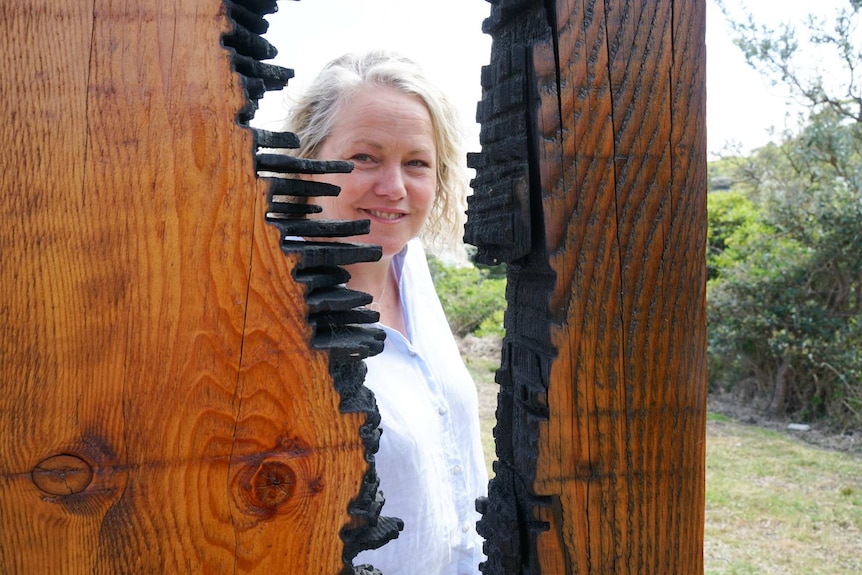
775, 505
473, 297
785, 237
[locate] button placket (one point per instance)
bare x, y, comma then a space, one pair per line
463, 503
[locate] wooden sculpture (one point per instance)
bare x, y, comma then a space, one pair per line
591, 184
181, 383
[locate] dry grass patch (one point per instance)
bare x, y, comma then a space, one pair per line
776, 505
482, 358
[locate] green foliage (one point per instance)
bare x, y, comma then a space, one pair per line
733, 224
785, 247
473, 300
785, 288
834, 44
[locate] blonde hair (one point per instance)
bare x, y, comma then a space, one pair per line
313, 115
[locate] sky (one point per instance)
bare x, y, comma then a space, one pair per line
742, 106
445, 38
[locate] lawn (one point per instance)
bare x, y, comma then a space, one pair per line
774, 504
777, 505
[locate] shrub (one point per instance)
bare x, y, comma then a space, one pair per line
474, 301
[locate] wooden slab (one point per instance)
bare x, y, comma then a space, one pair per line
161, 408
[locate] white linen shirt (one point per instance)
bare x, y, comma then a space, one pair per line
430, 461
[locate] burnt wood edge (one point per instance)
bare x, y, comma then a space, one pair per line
505, 222
508, 521
499, 211
336, 313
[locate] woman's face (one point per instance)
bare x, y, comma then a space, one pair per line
389, 137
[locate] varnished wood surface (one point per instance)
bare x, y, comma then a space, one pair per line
149, 328
622, 162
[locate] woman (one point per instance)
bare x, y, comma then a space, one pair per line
402, 135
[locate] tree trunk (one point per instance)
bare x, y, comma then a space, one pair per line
778, 404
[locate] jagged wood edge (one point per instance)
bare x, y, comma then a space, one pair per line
505, 224
335, 313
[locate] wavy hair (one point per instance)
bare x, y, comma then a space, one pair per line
313, 115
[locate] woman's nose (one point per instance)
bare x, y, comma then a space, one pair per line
390, 182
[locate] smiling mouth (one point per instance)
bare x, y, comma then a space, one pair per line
390, 216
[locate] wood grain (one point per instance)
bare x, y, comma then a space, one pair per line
622, 450
601, 416
149, 324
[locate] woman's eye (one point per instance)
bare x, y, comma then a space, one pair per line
418, 163
360, 158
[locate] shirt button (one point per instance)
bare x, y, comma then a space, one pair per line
412, 353
456, 470
442, 410
465, 528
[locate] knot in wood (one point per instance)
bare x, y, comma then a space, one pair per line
272, 484
62, 474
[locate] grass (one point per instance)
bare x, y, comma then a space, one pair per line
482, 369
776, 505
773, 504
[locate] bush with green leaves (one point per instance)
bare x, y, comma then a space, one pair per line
733, 221
785, 275
784, 298
473, 298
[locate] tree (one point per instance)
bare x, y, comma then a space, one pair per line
776, 53
785, 294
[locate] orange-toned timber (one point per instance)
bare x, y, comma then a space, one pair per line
161, 407
600, 156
